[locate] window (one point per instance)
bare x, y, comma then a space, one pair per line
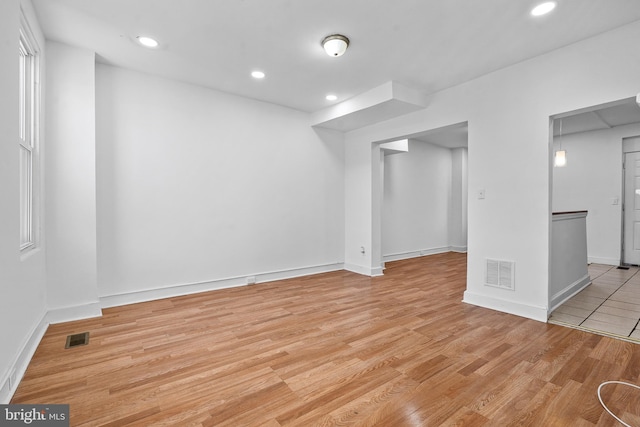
28, 133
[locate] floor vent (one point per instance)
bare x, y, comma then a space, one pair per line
500, 274
76, 340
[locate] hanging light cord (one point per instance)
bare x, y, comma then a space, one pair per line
605, 406
560, 139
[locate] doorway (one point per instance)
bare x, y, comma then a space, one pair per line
592, 178
423, 194
601, 175
631, 204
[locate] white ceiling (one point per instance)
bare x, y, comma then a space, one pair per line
425, 45
449, 137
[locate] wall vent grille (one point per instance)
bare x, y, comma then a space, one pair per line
500, 274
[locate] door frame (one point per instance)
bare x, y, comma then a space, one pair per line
630, 144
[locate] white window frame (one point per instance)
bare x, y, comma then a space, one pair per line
28, 135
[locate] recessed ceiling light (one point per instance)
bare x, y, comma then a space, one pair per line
331, 97
257, 74
543, 8
147, 41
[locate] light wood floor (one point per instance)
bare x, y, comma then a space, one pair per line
333, 349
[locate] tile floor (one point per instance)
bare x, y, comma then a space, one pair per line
609, 306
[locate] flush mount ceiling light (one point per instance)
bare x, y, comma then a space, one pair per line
331, 97
543, 8
257, 74
335, 44
147, 41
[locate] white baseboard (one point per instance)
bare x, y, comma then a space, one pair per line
505, 306
365, 271
423, 252
193, 288
569, 291
19, 367
605, 261
9, 383
78, 312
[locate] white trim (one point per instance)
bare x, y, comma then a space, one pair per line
94, 309
605, 261
365, 271
19, 367
212, 285
423, 252
401, 256
568, 216
77, 312
560, 297
630, 144
505, 306
30, 137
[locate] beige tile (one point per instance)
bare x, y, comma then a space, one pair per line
608, 281
629, 297
624, 322
607, 327
587, 305
598, 268
596, 293
565, 318
630, 287
614, 297
574, 311
619, 312
627, 306
581, 296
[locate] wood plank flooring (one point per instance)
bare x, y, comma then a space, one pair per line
334, 349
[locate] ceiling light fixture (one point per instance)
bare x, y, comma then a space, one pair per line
331, 97
257, 74
147, 41
335, 44
543, 8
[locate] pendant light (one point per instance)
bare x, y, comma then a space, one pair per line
560, 158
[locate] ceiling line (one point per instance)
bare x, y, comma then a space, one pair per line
601, 119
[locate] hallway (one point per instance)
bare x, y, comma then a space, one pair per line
609, 306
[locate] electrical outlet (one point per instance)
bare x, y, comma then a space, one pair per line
251, 280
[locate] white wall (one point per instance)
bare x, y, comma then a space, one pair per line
416, 206
22, 278
197, 186
569, 272
589, 181
71, 183
513, 221
459, 196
